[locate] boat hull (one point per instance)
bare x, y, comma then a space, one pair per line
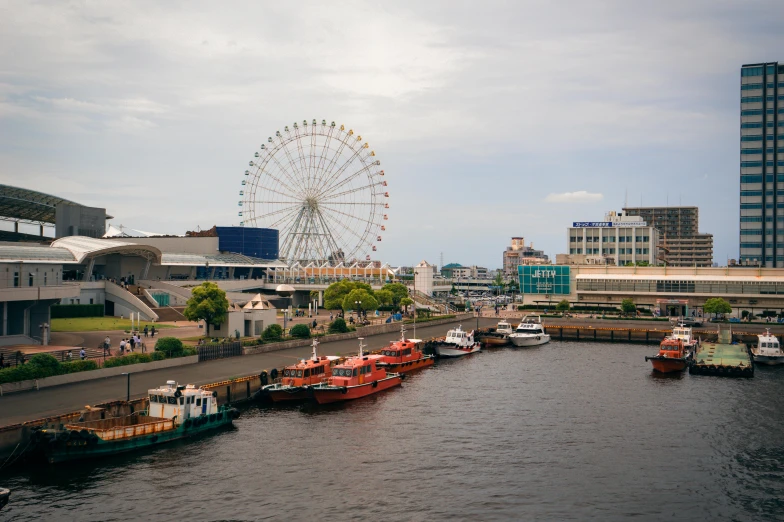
5, 494
768, 360
444, 350
533, 340
283, 393
330, 394
408, 366
494, 340
58, 450
668, 364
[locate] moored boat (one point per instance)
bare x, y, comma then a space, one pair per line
457, 343
175, 412
404, 355
498, 336
768, 350
354, 378
296, 378
684, 333
672, 357
529, 332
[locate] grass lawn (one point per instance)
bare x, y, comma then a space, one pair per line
98, 324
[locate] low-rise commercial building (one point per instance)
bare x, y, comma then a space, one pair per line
519, 254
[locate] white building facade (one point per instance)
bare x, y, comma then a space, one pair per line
620, 239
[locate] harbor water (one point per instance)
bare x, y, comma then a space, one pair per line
565, 431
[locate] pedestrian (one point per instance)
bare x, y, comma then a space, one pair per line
82, 354
132, 342
152, 331
107, 343
122, 346
145, 330
314, 323
330, 317
69, 356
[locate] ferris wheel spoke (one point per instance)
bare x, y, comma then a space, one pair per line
285, 150
284, 221
281, 168
361, 238
345, 214
333, 245
324, 153
348, 179
339, 172
347, 192
280, 211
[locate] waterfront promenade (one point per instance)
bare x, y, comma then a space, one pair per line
25, 406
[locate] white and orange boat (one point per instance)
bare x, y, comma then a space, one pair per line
673, 356
295, 378
404, 355
356, 377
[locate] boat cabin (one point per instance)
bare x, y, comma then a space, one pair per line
308, 371
530, 329
503, 327
768, 345
683, 333
459, 337
402, 351
180, 403
357, 370
672, 348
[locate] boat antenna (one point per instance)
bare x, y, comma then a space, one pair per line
361, 346
402, 332
315, 355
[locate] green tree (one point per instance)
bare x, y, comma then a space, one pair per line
300, 331
337, 292
406, 302
272, 333
360, 294
207, 302
499, 280
717, 305
338, 326
399, 291
563, 306
384, 297
171, 346
628, 307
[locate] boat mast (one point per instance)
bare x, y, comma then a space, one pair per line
315, 355
402, 332
361, 346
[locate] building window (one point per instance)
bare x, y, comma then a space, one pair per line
45, 278
750, 151
751, 112
751, 125
751, 99
16, 279
30, 279
751, 71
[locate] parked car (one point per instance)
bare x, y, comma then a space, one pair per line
691, 321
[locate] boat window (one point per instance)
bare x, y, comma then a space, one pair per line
153, 398
198, 401
307, 373
162, 399
171, 400
367, 369
182, 400
286, 372
299, 373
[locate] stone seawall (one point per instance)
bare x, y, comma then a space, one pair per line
364, 331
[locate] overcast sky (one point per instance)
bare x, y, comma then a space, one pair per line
491, 119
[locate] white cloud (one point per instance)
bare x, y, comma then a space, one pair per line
581, 196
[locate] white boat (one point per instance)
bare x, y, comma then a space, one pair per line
768, 350
530, 332
457, 343
497, 337
684, 333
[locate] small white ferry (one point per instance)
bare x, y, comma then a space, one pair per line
684, 333
457, 343
530, 332
768, 350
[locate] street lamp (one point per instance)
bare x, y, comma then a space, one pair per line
359, 309
128, 390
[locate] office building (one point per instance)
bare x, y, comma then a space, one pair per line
620, 238
762, 164
519, 254
680, 242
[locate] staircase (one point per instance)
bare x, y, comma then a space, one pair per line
170, 313
425, 301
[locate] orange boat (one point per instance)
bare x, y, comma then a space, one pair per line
293, 385
356, 377
404, 355
672, 357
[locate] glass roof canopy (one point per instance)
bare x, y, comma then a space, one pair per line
29, 206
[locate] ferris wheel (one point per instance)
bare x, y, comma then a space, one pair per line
322, 187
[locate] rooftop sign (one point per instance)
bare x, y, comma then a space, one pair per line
608, 224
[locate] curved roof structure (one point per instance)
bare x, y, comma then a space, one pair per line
86, 247
23, 253
29, 206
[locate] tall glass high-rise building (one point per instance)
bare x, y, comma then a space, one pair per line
762, 164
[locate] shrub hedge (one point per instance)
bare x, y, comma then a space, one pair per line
77, 310
272, 333
43, 365
171, 346
300, 331
338, 326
